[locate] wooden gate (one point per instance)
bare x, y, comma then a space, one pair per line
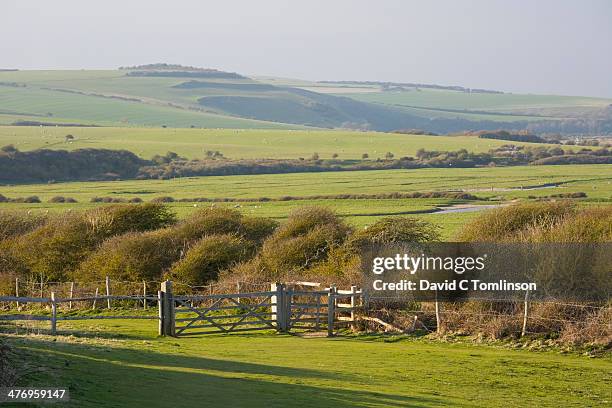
286, 307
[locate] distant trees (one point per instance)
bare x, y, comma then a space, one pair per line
60, 165
522, 136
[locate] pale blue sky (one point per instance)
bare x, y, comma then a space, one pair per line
537, 46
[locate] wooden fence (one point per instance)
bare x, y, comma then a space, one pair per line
285, 307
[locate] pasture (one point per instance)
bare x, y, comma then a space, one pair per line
237, 143
504, 182
500, 184
126, 364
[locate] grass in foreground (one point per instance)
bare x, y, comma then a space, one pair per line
130, 366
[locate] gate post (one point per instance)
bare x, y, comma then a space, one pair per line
279, 306
160, 308
166, 310
353, 306
331, 310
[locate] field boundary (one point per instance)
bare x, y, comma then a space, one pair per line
284, 308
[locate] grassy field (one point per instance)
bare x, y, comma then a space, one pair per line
502, 184
235, 143
125, 365
595, 180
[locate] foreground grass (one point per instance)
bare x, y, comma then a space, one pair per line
127, 365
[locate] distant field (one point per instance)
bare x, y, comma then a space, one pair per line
595, 180
236, 143
503, 183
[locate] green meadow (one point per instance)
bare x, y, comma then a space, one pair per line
503, 182
126, 364
495, 185
239, 143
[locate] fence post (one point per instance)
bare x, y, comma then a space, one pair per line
438, 317
167, 308
318, 321
71, 295
353, 306
144, 295
331, 299
287, 299
525, 314
160, 307
278, 305
53, 314
108, 305
93, 306
17, 290
238, 291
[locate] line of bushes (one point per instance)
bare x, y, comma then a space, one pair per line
29, 199
101, 164
456, 195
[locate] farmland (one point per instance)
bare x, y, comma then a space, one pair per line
501, 184
236, 143
487, 182
268, 370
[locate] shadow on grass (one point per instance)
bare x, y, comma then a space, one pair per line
99, 376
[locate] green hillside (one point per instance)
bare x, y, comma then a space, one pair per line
493, 106
184, 99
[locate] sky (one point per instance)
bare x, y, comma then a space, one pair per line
524, 46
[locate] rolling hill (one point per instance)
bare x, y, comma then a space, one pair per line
173, 96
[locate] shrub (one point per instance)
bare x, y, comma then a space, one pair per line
208, 256
506, 223
119, 219
586, 225
56, 248
397, 229
302, 241
304, 219
209, 221
133, 256
60, 199
14, 223
164, 199
257, 229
